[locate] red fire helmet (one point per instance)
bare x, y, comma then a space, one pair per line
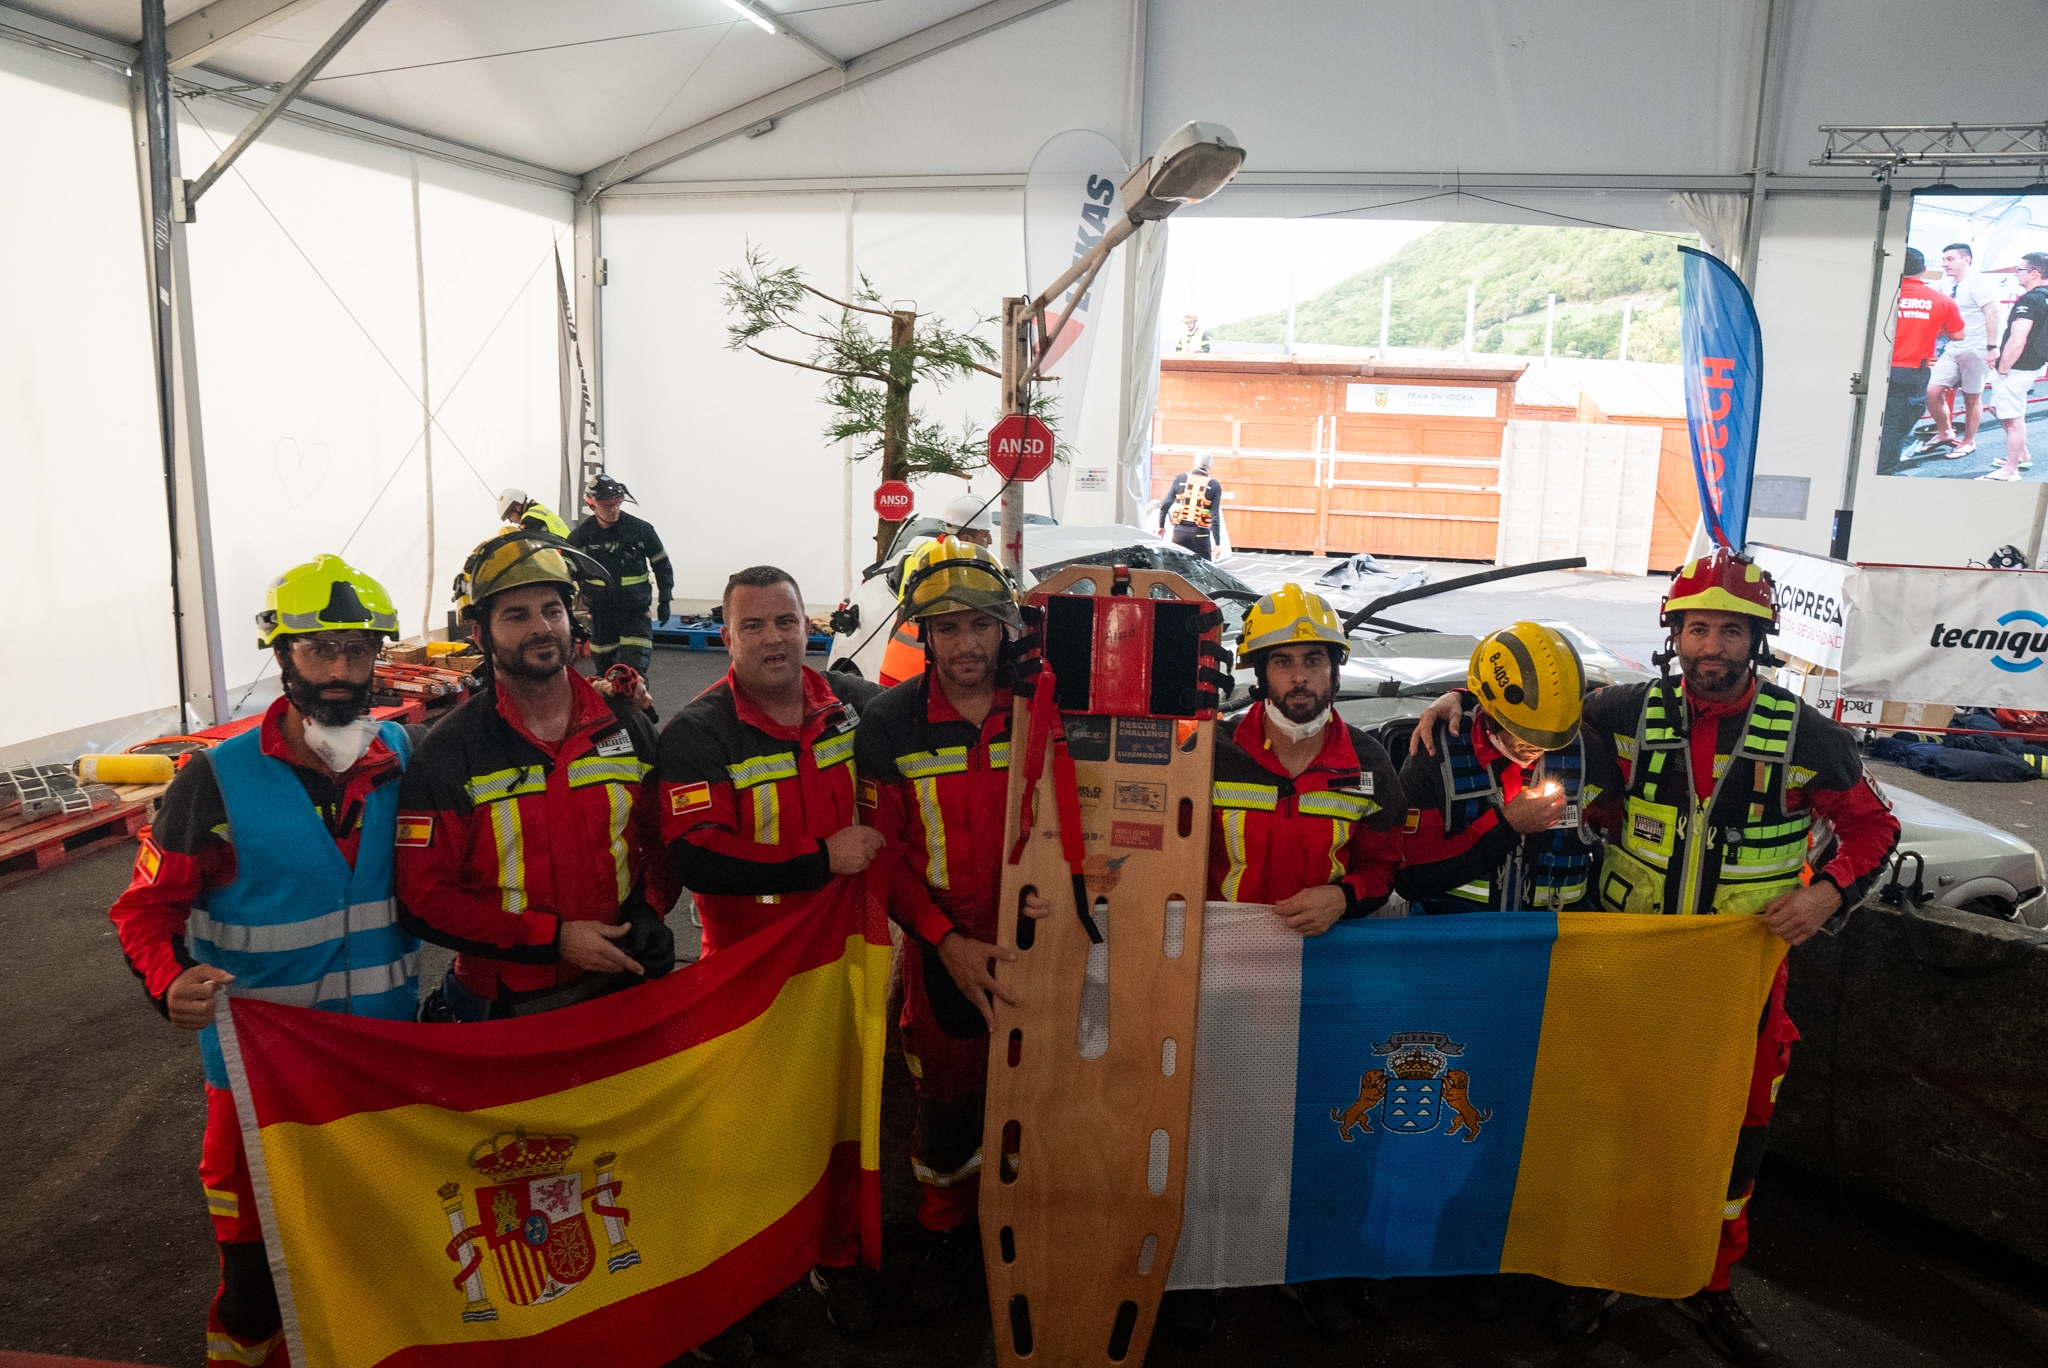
1725, 582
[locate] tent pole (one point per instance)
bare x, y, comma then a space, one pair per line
1859, 384
419, 274
195, 604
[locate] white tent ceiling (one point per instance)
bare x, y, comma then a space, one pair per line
1317, 89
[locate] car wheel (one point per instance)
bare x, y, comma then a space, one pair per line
1997, 908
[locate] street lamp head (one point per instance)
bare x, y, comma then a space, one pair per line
1194, 163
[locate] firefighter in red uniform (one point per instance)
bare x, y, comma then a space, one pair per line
1494, 816
528, 817
757, 814
1305, 814
934, 761
1709, 792
238, 882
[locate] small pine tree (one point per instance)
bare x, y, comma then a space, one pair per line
871, 377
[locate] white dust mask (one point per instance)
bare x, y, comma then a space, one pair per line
340, 747
1296, 731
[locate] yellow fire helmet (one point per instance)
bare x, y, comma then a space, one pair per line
947, 575
1289, 616
1529, 680
517, 558
326, 594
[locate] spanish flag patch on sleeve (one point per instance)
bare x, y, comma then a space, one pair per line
1414, 822
688, 798
868, 794
415, 830
148, 860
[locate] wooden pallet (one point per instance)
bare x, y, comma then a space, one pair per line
30, 850
1085, 1144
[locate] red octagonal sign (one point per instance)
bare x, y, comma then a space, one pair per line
893, 500
1020, 447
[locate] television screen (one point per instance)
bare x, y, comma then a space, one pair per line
1966, 340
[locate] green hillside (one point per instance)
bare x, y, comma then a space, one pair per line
1592, 271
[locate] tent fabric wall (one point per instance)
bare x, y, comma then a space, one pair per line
87, 552
307, 284
724, 451
308, 336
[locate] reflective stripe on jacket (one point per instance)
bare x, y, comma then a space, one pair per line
747, 802
937, 786
298, 923
503, 837
1732, 852
1337, 822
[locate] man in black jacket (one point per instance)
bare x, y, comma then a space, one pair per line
630, 550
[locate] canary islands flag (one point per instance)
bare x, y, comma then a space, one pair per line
614, 1182
1511, 1092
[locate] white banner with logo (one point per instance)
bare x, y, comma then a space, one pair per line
1967, 637
1812, 601
1455, 401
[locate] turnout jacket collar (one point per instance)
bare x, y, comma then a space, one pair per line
818, 701
1337, 755
589, 709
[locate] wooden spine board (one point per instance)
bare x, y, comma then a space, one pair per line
1075, 1219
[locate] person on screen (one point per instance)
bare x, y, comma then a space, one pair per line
2022, 356
1964, 365
1923, 314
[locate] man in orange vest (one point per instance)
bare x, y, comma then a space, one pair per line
1192, 505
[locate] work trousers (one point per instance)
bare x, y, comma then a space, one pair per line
949, 1074
243, 1326
1194, 540
1903, 403
620, 633
1775, 1035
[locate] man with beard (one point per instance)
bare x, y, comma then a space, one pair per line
269, 868
1493, 817
1708, 792
528, 841
758, 815
1305, 814
933, 756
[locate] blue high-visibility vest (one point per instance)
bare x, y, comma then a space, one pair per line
297, 925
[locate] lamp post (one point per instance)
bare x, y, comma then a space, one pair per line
1194, 163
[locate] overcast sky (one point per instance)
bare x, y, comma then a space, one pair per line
1224, 269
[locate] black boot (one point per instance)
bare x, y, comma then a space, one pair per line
951, 1265
849, 1305
1727, 1326
1576, 1316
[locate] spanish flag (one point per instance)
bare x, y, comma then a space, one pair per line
615, 1181
1495, 1092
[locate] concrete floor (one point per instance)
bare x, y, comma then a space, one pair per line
106, 1251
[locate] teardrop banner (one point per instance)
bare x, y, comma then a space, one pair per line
1071, 196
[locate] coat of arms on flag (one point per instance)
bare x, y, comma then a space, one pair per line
1414, 1089
529, 1215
